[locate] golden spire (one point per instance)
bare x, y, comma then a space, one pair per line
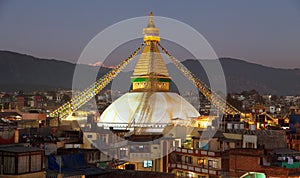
150, 63
151, 60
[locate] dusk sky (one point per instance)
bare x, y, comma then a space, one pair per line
264, 32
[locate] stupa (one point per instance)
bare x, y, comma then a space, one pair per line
149, 103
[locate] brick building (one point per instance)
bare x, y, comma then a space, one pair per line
243, 161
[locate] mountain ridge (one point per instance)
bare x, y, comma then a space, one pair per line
22, 71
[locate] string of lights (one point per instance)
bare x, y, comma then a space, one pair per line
77, 101
212, 96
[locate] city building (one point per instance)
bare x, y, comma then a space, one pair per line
18, 161
280, 163
213, 153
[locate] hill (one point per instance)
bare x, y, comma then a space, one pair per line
28, 73
244, 76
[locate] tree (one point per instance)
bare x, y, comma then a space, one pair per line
234, 102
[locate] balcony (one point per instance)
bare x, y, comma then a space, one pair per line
196, 152
196, 169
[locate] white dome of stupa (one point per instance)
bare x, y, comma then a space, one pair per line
163, 107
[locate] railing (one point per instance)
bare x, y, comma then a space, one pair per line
196, 168
125, 125
140, 155
286, 164
196, 152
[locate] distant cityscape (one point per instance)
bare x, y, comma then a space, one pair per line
26, 125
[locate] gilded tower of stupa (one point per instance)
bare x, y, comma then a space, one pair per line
150, 71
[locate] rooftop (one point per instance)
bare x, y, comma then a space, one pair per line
256, 132
18, 149
9, 114
285, 151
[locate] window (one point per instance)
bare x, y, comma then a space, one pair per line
103, 139
9, 165
140, 149
197, 144
249, 145
201, 161
89, 136
188, 159
36, 163
147, 163
123, 152
176, 143
213, 163
178, 158
23, 164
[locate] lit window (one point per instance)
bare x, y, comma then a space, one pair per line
147, 163
200, 161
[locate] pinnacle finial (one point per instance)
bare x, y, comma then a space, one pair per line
151, 33
151, 21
